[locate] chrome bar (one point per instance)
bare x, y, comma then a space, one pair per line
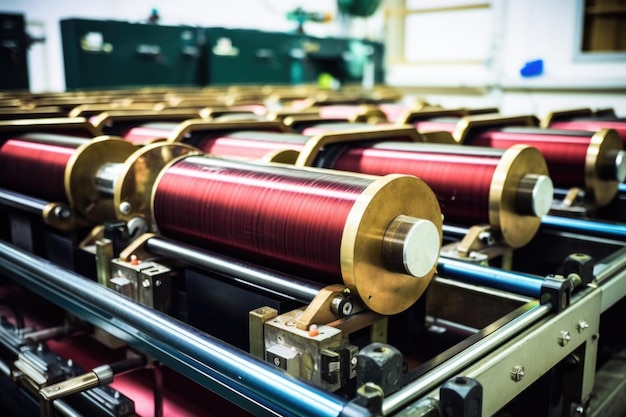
263, 279
22, 202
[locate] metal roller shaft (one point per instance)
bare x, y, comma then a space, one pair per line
516, 282
286, 285
594, 228
22, 202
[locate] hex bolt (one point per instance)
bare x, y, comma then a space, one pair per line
517, 373
146, 283
564, 337
582, 325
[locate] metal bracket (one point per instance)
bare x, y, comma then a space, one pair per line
320, 310
557, 290
370, 396
461, 397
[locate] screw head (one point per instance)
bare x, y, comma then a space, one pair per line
582, 325
517, 373
564, 337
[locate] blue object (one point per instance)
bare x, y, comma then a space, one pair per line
532, 68
607, 230
519, 283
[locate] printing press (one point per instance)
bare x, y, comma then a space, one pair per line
208, 254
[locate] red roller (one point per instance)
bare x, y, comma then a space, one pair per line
460, 182
322, 128
507, 189
251, 144
376, 234
36, 169
259, 211
436, 125
565, 154
393, 111
593, 125
148, 133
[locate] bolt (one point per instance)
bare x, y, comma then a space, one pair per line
62, 213
564, 337
517, 373
353, 361
582, 325
125, 207
145, 283
486, 238
277, 361
347, 308
157, 283
580, 410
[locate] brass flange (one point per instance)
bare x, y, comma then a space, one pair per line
80, 174
516, 163
362, 264
133, 189
601, 154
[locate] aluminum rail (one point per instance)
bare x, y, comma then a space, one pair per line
516, 282
610, 275
237, 376
595, 228
247, 274
429, 381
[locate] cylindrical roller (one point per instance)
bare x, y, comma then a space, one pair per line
593, 125
321, 128
443, 124
79, 171
510, 189
314, 223
251, 144
353, 113
149, 132
35, 169
295, 148
575, 158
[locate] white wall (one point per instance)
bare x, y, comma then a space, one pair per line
521, 31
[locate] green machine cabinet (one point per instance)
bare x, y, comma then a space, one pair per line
114, 54
243, 56
246, 56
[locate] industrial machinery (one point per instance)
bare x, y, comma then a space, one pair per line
139, 273
160, 55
